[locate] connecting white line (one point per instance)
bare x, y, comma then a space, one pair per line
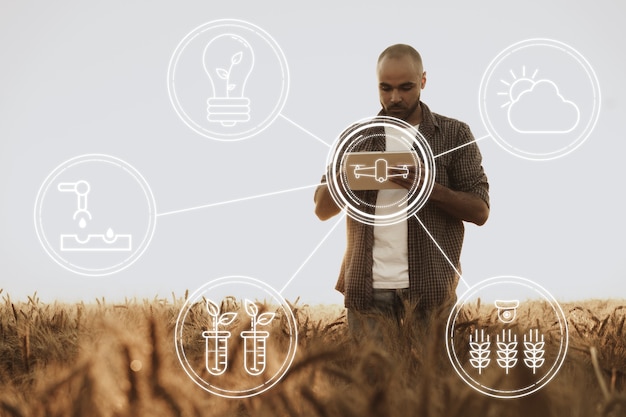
304, 130
426, 230
313, 253
462, 146
442, 252
236, 200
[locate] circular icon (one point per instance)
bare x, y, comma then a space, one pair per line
236, 337
539, 99
95, 215
228, 80
507, 337
365, 161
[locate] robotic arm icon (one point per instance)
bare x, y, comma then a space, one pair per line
81, 189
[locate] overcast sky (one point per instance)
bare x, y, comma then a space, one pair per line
83, 78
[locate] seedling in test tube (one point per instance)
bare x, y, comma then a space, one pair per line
216, 360
255, 356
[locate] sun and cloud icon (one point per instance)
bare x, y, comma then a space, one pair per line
537, 106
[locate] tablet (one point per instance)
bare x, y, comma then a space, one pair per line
373, 170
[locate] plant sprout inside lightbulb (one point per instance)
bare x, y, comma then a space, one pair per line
228, 61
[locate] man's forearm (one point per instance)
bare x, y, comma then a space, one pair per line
462, 205
325, 206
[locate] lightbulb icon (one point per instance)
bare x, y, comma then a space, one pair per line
228, 61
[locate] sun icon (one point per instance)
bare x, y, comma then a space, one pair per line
517, 86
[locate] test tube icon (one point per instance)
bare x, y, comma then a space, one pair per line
216, 361
255, 341
216, 340
254, 351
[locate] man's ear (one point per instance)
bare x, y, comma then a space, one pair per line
423, 83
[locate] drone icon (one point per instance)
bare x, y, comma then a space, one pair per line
381, 171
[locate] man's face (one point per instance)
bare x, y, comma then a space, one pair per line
400, 82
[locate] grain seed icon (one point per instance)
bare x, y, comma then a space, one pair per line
533, 352
507, 350
479, 350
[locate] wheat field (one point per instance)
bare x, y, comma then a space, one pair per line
103, 359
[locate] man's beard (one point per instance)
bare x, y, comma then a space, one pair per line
407, 113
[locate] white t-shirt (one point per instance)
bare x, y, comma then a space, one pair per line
390, 269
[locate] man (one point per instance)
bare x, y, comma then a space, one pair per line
388, 267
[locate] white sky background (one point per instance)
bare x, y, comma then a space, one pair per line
90, 77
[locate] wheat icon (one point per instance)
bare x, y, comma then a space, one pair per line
507, 350
479, 350
534, 352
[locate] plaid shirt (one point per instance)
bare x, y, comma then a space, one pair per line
432, 280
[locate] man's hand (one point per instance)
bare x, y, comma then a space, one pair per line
462, 205
412, 180
325, 206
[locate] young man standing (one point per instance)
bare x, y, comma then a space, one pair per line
387, 267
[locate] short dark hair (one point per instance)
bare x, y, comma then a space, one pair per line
399, 50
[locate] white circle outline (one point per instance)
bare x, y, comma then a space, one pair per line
558, 362
419, 143
41, 236
344, 178
582, 137
206, 386
228, 23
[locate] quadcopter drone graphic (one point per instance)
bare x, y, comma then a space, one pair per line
381, 171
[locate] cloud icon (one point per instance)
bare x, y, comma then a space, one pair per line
542, 109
